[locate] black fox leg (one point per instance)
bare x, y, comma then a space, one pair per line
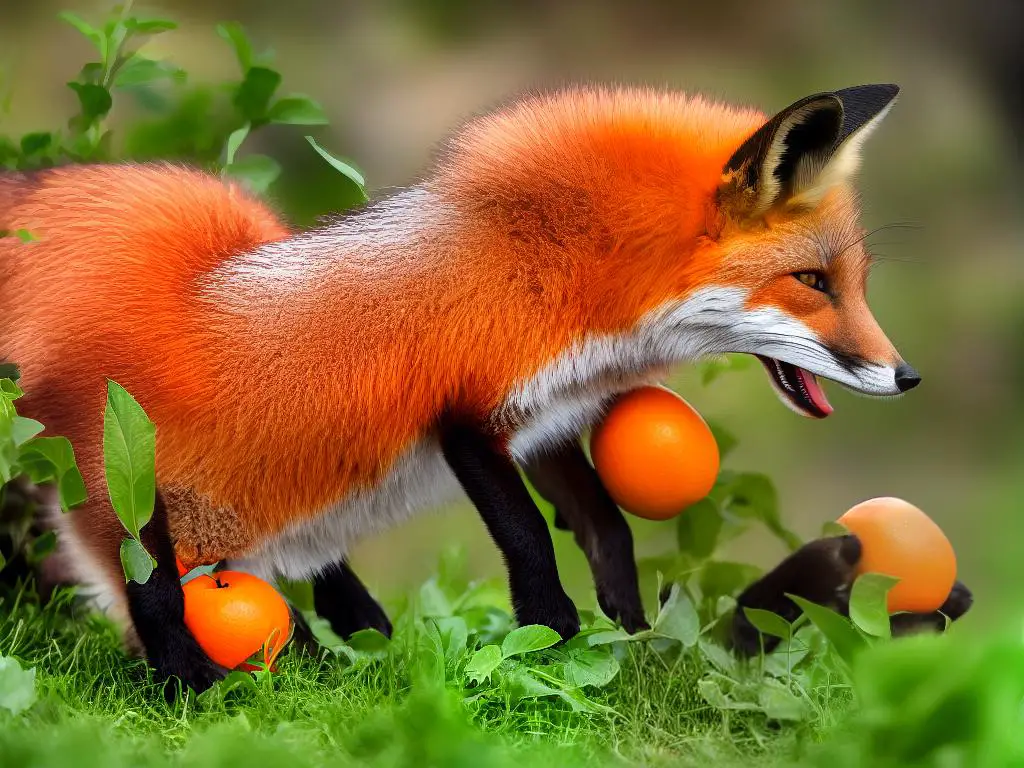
493, 484
819, 571
340, 597
157, 609
565, 478
956, 605
823, 571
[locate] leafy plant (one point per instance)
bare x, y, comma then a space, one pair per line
17, 686
25, 455
129, 462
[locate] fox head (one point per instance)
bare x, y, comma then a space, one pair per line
785, 200
662, 227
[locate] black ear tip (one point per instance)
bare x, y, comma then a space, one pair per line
878, 94
891, 90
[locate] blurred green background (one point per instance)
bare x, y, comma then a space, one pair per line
395, 76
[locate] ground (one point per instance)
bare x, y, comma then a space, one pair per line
427, 699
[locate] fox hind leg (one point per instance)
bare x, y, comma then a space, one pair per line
341, 598
565, 478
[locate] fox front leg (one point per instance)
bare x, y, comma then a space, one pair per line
565, 478
823, 571
492, 482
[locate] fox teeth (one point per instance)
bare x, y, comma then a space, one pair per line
782, 376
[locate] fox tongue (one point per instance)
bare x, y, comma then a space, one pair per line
814, 390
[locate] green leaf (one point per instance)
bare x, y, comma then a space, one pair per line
519, 684
344, 168
368, 641
17, 686
720, 578
94, 100
697, 528
3, 561
719, 657
768, 623
138, 70
91, 73
753, 495
297, 110
234, 142
713, 695
116, 32
94, 35
24, 429
136, 562
678, 618
606, 637
35, 142
255, 91
41, 547
869, 603
207, 570
454, 636
483, 663
53, 458
533, 637
831, 529
234, 33
592, 667
839, 631
9, 389
8, 371
780, 703
149, 26
257, 172
129, 458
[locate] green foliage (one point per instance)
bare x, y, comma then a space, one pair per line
178, 119
38, 459
840, 632
129, 462
869, 603
342, 167
17, 686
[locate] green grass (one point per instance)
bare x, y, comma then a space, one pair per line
949, 700
96, 706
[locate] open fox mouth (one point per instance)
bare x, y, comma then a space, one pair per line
798, 388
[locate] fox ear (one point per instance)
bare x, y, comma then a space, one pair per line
802, 152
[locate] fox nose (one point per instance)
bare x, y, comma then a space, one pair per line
906, 377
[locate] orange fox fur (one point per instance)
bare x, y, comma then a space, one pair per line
286, 372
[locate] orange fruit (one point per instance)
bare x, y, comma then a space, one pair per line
654, 453
900, 540
232, 615
182, 570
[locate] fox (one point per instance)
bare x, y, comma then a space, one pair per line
451, 340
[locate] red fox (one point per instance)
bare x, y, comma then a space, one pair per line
311, 388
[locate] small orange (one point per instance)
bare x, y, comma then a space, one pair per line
900, 540
654, 453
232, 615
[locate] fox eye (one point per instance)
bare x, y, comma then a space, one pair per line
814, 280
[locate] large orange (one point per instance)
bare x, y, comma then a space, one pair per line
900, 540
233, 615
654, 453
